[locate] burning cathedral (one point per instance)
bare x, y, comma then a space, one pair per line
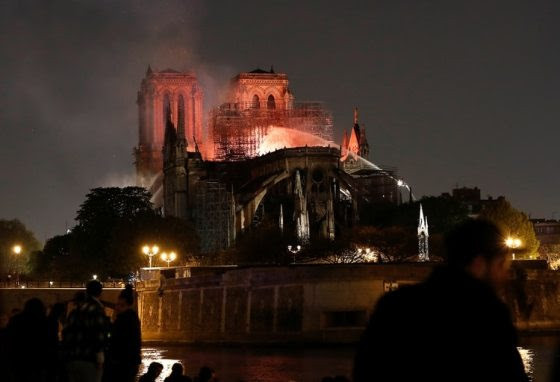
259, 154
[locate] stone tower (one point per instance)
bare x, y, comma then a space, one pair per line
423, 235
261, 89
160, 91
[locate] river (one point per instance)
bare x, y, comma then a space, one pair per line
302, 364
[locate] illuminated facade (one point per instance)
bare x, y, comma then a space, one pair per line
259, 103
160, 91
261, 151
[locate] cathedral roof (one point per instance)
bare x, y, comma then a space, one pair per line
169, 70
260, 71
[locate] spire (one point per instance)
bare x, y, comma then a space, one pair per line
423, 235
271, 68
149, 71
355, 115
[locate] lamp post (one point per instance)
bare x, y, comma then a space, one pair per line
294, 250
168, 257
150, 252
513, 243
17, 249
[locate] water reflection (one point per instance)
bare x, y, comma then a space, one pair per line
150, 355
527, 357
278, 364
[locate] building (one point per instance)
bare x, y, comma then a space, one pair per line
159, 92
262, 152
471, 199
260, 102
547, 231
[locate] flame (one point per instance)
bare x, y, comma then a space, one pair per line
282, 137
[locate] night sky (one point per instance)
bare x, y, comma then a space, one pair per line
450, 92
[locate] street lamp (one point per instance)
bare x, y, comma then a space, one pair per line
294, 250
150, 252
17, 249
513, 243
168, 257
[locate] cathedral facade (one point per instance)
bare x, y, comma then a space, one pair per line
223, 182
160, 92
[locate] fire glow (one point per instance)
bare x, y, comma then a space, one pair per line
281, 137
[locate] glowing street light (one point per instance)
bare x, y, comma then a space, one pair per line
94, 277
513, 243
17, 249
150, 252
294, 250
168, 257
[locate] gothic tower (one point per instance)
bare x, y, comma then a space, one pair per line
174, 170
423, 235
160, 91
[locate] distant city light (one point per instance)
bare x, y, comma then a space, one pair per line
94, 277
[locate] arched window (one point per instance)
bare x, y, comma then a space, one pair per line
181, 114
256, 102
271, 104
166, 107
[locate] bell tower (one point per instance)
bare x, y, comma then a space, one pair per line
161, 91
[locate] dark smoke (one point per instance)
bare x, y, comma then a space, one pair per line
70, 71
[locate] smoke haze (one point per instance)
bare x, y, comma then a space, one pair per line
449, 92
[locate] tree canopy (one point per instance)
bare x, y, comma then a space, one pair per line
513, 223
113, 224
12, 233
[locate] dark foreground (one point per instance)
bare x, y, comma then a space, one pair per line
301, 364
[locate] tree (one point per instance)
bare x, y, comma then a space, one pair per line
12, 233
551, 253
113, 224
513, 223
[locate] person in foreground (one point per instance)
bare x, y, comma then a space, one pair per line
451, 327
154, 370
124, 354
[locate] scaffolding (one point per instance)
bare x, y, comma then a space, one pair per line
237, 130
214, 216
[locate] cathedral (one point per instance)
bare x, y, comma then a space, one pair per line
259, 154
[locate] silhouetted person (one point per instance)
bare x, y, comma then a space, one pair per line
123, 356
453, 326
154, 370
84, 337
177, 374
55, 321
205, 374
27, 343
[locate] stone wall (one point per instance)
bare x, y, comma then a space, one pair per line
308, 303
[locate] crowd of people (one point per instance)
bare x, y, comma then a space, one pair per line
77, 342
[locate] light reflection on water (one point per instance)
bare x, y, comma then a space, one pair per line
269, 364
150, 355
527, 357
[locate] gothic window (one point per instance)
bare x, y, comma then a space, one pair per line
256, 102
271, 104
181, 113
166, 107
